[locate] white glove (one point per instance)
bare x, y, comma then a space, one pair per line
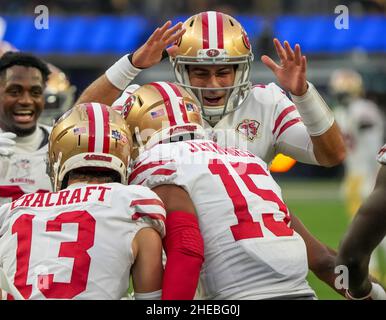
377, 292
7, 143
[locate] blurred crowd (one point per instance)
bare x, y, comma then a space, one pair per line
157, 7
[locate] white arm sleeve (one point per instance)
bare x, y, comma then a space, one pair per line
297, 144
291, 135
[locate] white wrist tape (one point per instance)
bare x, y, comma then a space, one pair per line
315, 113
122, 72
155, 295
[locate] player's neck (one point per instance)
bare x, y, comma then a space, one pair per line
81, 182
31, 142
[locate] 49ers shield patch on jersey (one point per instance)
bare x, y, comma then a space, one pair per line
248, 128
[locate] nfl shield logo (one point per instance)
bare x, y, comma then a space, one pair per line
115, 134
248, 128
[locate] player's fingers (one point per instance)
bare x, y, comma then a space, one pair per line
8, 135
298, 55
304, 64
158, 33
289, 52
155, 36
270, 63
280, 50
171, 31
172, 51
165, 26
176, 36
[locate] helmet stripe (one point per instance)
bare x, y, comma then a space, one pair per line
168, 104
106, 129
180, 102
91, 127
213, 35
175, 102
205, 31
99, 128
220, 30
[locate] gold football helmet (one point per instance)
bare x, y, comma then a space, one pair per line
119, 103
346, 84
162, 112
88, 135
215, 38
59, 96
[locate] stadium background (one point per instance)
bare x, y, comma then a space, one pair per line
84, 37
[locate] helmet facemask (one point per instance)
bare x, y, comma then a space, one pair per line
235, 94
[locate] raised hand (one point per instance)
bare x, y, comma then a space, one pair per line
150, 53
291, 73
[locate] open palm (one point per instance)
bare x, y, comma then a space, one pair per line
291, 72
150, 53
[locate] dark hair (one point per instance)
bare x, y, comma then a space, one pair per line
10, 59
103, 175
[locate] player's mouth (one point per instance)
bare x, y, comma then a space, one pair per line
23, 116
213, 101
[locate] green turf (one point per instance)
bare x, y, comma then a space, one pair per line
320, 207
327, 222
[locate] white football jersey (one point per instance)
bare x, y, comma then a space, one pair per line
250, 250
382, 155
76, 243
266, 123
25, 171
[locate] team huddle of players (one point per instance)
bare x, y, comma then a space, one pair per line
175, 168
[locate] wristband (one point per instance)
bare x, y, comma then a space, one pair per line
315, 113
122, 72
155, 295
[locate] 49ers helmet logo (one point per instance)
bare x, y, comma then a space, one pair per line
128, 105
246, 40
248, 128
213, 53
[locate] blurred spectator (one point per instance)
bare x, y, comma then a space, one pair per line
362, 125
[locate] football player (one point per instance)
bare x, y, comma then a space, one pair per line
362, 125
85, 239
212, 58
361, 122
23, 142
251, 250
366, 231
